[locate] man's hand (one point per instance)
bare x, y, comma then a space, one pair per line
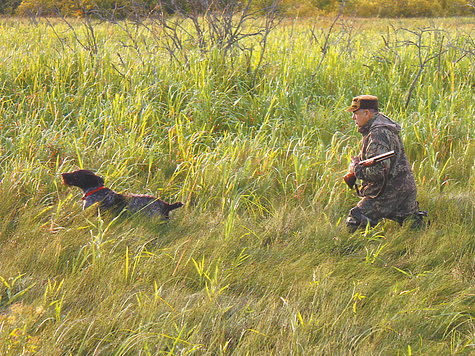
353, 163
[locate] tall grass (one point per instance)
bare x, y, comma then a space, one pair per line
258, 261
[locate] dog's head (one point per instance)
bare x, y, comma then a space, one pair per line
83, 179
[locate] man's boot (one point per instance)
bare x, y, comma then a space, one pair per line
417, 220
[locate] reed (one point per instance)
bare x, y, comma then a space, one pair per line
258, 261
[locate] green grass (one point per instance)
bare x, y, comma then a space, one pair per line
258, 261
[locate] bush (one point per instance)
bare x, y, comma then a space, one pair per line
408, 8
8, 7
362, 8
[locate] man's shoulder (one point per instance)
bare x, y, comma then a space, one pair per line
383, 123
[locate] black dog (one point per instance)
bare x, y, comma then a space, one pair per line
95, 192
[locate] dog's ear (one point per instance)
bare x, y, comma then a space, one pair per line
100, 181
93, 179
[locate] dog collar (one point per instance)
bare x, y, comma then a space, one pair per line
92, 192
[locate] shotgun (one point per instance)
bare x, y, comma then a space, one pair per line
350, 178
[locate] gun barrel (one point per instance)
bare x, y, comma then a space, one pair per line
378, 158
384, 156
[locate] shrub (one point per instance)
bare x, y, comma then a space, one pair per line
408, 8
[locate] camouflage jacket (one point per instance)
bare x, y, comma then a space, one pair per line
392, 176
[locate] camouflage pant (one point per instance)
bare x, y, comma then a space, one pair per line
397, 206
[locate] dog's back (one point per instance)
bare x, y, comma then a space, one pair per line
150, 205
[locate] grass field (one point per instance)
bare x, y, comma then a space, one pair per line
258, 261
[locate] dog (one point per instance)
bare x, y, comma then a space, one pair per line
109, 201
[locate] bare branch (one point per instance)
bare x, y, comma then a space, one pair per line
326, 44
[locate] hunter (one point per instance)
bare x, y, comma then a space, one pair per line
388, 189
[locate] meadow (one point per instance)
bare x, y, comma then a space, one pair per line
255, 143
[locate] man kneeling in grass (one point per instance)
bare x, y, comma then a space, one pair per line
388, 187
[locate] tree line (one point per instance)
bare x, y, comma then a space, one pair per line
301, 8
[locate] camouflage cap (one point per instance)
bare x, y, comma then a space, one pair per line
364, 102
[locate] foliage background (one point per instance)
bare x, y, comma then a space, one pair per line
258, 261
304, 8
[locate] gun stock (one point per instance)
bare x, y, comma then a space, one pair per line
350, 179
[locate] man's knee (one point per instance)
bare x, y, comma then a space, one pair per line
356, 218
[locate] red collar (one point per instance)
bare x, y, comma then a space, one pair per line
92, 192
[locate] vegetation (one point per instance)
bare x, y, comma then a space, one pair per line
255, 142
305, 8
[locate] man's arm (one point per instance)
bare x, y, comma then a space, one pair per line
378, 145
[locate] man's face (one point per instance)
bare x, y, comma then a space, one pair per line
361, 117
